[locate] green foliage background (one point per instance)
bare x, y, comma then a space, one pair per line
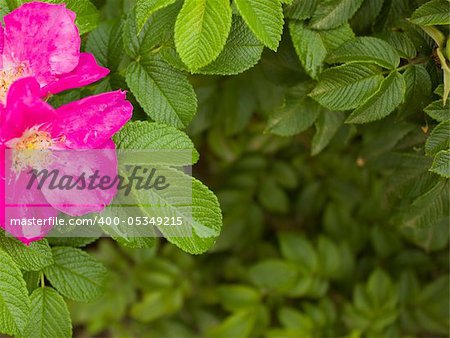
324, 130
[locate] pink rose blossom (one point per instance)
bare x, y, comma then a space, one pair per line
41, 40
40, 55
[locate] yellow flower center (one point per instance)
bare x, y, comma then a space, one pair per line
7, 77
32, 149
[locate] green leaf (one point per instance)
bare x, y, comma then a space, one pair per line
49, 316
402, 43
154, 136
145, 8
348, 86
272, 197
236, 297
276, 275
6, 6
312, 46
87, 14
438, 111
156, 305
202, 217
366, 49
309, 47
380, 289
329, 258
333, 13
388, 97
334, 38
107, 45
241, 52
297, 113
238, 325
418, 89
432, 305
441, 163
75, 274
76, 242
201, 31
300, 9
366, 16
327, 125
429, 209
439, 139
164, 93
299, 250
265, 19
156, 34
14, 301
434, 12
34, 257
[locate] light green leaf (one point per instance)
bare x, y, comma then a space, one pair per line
75, 274
201, 31
441, 163
439, 139
312, 46
348, 86
163, 92
301, 9
49, 316
299, 250
309, 47
34, 257
366, 49
241, 52
153, 136
327, 126
334, 38
265, 19
333, 13
329, 258
276, 275
6, 6
438, 111
235, 297
156, 305
388, 97
14, 301
145, 8
297, 113
201, 218
238, 325
434, 12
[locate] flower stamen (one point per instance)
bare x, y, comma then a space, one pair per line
7, 77
32, 149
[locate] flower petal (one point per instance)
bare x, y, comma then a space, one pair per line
43, 38
21, 204
90, 122
2, 44
86, 72
25, 109
71, 166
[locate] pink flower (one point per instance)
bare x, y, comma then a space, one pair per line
40, 55
42, 41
